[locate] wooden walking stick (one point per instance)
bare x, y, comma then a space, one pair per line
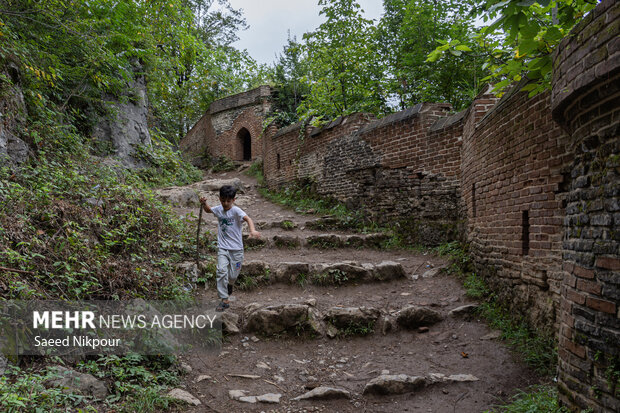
198, 239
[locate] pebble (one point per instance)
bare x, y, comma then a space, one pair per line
203, 377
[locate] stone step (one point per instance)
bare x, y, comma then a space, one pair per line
316, 241
261, 272
300, 318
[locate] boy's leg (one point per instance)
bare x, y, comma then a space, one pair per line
223, 268
236, 260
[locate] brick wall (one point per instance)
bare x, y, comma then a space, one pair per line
395, 168
513, 164
585, 102
194, 146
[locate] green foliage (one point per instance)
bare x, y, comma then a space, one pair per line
137, 384
288, 225
411, 29
83, 230
341, 57
303, 200
165, 165
72, 54
256, 170
475, 286
223, 164
536, 399
357, 329
331, 277
290, 74
520, 40
23, 390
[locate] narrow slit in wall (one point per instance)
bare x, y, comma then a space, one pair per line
525, 237
473, 199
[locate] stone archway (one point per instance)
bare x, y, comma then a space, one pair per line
245, 142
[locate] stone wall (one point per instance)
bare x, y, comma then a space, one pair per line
514, 165
399, 168
585, 100
221, 130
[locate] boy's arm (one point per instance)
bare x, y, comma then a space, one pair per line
205, 206
253, 232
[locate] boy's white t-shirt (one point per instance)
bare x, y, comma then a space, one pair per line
229, 227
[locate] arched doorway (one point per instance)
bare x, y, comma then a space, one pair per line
246, 143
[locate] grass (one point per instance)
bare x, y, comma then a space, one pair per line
536, 399
256, 170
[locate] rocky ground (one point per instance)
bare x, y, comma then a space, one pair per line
335, 324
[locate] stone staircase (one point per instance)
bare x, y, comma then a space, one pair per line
325, 319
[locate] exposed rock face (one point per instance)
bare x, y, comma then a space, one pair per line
13, 150
126, 125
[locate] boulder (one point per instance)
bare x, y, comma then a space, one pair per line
230, 322
324, 393
289, 271
412, 317
343, 317
340, 272
455, 378
394, 384
389, 270
276, 319
183, 396
314, 323
286, 241
325, 241
273, 398
463, 310
216, 184
189, 269
72, 381
254, 268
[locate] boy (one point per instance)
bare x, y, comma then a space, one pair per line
229, 241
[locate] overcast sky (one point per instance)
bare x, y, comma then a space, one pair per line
269, 21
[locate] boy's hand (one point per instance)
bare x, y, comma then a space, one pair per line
254, 234
203, 200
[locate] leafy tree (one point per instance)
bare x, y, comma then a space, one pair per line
290, 74
344, 71
521, 38
74, 53
408, 31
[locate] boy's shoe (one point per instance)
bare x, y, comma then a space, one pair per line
222, 306
230, 289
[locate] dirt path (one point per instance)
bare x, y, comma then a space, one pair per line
288, 365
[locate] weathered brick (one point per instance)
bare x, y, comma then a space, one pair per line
589, 286
583, 272
601, 305
608, 263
